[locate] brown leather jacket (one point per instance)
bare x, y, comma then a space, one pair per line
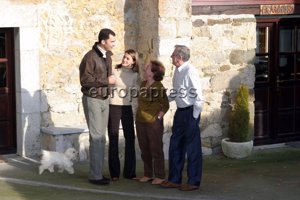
94, 71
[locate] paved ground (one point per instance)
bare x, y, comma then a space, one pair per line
267, 174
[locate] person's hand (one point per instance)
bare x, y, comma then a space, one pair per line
111, 79
160, 115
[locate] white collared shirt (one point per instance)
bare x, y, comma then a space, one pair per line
187, 90
102, 51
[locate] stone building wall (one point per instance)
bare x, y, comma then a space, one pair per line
223, 50
223, 47
53, 35
69, 29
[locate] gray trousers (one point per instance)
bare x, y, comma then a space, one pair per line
96, 114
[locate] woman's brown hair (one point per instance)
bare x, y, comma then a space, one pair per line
134, 56
158, 70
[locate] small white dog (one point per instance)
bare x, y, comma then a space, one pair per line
63, 161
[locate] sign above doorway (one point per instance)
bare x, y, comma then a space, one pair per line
277, 9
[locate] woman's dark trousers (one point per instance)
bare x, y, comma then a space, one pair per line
125, 115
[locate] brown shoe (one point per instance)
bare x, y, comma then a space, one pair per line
167, 184
187, 187
115, 179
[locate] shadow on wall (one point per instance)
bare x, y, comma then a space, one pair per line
33, 106
246, 77
130, 24
221, 89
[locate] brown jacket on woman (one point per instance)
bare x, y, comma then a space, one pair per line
151, 101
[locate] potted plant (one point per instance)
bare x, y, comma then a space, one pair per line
239, 143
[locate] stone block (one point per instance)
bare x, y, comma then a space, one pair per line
213, 130
206, 151
241, 56
60, 138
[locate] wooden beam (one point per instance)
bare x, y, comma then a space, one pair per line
229, 10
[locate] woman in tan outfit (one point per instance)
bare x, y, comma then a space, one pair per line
120, 110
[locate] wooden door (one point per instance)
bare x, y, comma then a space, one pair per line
277, 85
7, 92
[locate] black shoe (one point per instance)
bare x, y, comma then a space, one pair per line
104, 178
103, 181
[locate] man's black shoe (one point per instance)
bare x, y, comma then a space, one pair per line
103, 181
104, 178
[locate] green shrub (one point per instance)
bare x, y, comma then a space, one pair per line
239, 130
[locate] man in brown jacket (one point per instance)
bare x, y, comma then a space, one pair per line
95, 78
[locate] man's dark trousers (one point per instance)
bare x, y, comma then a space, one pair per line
185, 140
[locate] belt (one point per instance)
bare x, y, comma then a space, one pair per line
186, 108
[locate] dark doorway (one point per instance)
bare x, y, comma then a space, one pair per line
7, 92
277, 84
